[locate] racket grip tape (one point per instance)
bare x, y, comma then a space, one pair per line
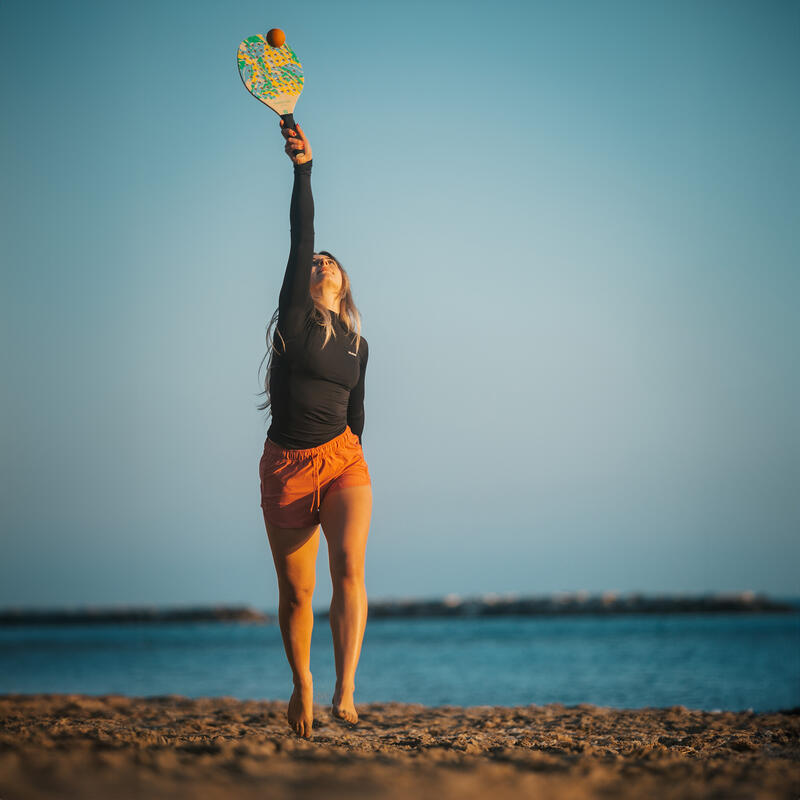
288, 122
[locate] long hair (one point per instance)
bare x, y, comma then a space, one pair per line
348, 314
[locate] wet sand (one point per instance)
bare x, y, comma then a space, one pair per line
74, 746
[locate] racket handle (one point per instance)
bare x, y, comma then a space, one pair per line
288, 122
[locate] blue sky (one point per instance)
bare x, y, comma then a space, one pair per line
572, 234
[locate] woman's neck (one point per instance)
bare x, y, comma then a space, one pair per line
330, 301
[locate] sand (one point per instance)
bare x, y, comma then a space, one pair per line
74, 746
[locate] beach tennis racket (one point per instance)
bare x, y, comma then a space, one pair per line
272, 75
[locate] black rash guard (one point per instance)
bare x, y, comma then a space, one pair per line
315, 392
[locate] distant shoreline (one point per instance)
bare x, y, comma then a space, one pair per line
575, 604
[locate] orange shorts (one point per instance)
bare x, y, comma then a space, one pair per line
295, 482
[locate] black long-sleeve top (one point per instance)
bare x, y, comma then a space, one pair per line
315, 392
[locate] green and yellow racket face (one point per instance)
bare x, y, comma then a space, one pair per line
271, 74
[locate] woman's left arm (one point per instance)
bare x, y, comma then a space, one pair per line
355, 408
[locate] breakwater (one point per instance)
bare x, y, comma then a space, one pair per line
452, 605
578, 603
126, 615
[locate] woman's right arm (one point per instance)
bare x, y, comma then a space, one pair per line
295, 297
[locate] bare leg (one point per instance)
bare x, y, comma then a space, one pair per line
294, 551
345, 515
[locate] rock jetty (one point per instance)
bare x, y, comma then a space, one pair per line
123, 615
451, 605
577, 603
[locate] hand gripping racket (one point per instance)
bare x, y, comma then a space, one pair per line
272, 75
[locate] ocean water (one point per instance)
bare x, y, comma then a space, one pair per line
719, 661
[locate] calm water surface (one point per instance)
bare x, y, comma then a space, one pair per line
699, 661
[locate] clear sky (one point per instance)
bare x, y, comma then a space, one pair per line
572, 231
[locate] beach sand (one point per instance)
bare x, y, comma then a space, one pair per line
74, 746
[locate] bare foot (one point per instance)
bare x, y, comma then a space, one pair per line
343, 706
301, 708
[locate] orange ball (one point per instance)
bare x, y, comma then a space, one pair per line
276, 37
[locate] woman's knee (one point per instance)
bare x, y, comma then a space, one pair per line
296, 595
347, 568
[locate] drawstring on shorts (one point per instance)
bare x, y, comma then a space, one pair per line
316, 482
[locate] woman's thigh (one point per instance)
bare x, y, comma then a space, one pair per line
345, 515
294, 551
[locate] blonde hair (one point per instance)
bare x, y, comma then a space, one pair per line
348, 314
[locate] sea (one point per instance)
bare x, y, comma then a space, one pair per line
700, 661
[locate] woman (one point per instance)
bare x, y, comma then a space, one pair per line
313, 470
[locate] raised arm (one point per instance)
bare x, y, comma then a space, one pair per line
295, 297
355, 408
